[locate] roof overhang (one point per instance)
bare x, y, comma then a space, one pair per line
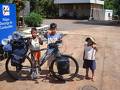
78, 1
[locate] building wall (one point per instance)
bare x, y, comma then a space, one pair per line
75, 10
97, 11
108, 14
81, 11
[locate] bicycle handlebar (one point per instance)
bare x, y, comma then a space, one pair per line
54, 45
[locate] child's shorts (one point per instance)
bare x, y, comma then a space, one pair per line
37, 55
89, 64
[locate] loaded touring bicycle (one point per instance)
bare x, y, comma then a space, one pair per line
21, 64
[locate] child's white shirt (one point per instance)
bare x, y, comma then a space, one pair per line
35, 45
90, 52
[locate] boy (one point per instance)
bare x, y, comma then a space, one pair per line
52, 36
35, 43
89, 57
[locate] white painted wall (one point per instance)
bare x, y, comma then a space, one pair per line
78, 1
108, 14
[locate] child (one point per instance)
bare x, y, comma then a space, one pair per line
89, 57
35, 43
52, 36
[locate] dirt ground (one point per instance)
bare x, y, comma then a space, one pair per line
108, 64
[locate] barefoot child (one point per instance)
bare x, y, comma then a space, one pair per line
35, 42
89, 57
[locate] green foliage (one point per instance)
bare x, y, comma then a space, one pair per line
45, 7
108, 4
20, 5
2, 1
33, 19
116, 5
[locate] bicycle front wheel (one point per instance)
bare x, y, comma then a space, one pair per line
23, 73
71, 64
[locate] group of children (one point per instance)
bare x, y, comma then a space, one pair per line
52, 36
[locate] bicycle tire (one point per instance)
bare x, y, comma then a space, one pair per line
58, 76
11, 73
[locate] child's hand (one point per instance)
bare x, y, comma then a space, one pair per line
94, 46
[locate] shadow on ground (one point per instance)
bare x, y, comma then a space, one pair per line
80, 77
4, 76
44, 76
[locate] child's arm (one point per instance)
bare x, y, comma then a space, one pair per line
40, 41
84, 55
60, 37
95, 47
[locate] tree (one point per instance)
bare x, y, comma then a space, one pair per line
4, 1
33, 5
45, 7
34, 20
116, 4
20, 5
108, 4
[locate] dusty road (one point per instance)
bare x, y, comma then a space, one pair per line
108, 64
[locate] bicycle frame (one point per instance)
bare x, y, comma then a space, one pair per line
49, 53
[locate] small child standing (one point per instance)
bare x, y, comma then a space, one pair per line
90, 50
35, 43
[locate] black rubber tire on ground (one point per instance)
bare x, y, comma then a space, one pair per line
58, 76
8, 61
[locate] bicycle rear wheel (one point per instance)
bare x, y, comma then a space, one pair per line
73, 68
23, 73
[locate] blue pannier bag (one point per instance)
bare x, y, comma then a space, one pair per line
63, 65
18, 53
18, 56
7, 48
5, 51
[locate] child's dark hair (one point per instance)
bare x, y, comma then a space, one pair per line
87, 39
33, 29
91, 41
53, 25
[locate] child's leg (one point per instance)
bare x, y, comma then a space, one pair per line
86, 66
87, 72
37, 56
93, 67
93, 73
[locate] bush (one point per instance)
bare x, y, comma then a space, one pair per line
33, 20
